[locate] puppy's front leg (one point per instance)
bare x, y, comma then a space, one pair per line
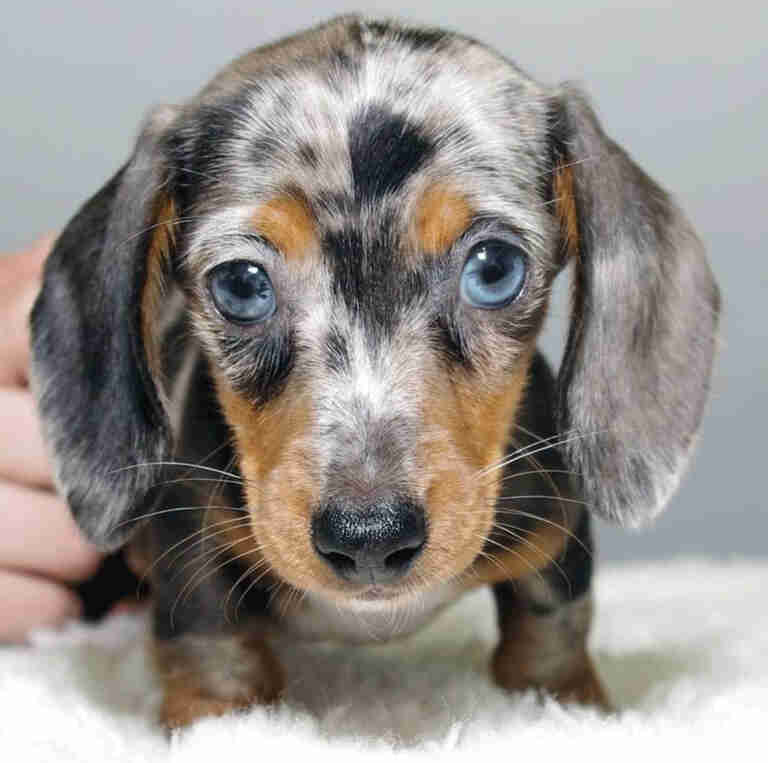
544, 622
546, 650
210, 648
214, 674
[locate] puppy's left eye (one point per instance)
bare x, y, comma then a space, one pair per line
242, 292
493, 274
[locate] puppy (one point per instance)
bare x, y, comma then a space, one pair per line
289, 350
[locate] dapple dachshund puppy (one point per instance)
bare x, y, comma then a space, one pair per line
289, 349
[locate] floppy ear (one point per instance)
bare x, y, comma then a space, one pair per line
637, 364
94, 360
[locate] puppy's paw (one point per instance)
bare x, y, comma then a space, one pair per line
584, 687
180, 709
577, 682
206, 676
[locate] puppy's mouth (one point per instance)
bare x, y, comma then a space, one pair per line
380, 593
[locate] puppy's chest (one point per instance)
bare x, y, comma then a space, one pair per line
318, 619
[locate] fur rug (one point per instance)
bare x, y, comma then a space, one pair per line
682, 647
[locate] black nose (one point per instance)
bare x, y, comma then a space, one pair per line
376, 544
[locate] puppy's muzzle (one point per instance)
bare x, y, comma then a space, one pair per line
373, 545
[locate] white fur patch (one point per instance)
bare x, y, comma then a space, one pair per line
365, 622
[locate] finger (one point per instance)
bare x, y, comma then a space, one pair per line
36, 252
27, 602
23, 455
19, 283
128, 606
38, 535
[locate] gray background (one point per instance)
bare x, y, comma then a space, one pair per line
683, 86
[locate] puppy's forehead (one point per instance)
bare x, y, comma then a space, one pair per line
358, 116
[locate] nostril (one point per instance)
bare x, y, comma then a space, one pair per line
399, 560
343, 564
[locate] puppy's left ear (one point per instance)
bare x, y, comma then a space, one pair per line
95, 364
636, 370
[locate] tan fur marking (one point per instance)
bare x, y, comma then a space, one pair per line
541, 652
537, 551
287, 222
199, 683
163, 240
442, 214
280, 487
467, 425
565, 204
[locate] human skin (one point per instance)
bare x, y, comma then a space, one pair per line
42, 552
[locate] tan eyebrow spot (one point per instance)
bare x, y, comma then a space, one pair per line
287, 222
442, 215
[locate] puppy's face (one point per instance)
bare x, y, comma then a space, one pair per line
367, 266
365, 221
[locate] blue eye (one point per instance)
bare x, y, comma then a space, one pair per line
493, 274
242, 292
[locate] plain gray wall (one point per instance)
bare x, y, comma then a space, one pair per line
683, 86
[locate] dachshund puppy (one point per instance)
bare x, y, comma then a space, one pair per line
289, 351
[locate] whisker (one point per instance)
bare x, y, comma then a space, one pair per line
251, 585
167, 223
529, 472
243, 523
196, 581
519, 452
249, 571
549, 497
517, 512
516, 456
146, 573
147, 464
538, 550
217, 480
537, 464
506, 549
179, 508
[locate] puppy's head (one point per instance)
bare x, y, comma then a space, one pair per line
365, 221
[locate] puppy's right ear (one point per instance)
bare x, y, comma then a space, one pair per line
95, 366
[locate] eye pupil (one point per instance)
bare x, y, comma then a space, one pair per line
242, 292
493, 274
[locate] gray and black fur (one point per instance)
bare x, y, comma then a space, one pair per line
352, 121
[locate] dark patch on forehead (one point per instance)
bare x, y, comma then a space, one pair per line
368, 279
425, 39
418, 38
385, 149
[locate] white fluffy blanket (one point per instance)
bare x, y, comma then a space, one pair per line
682, 646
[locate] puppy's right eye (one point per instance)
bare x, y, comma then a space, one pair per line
493, 274
242, 292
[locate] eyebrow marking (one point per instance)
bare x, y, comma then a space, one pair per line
442, 215
288, 223
385, 149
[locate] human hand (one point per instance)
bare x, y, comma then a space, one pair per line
42, 553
